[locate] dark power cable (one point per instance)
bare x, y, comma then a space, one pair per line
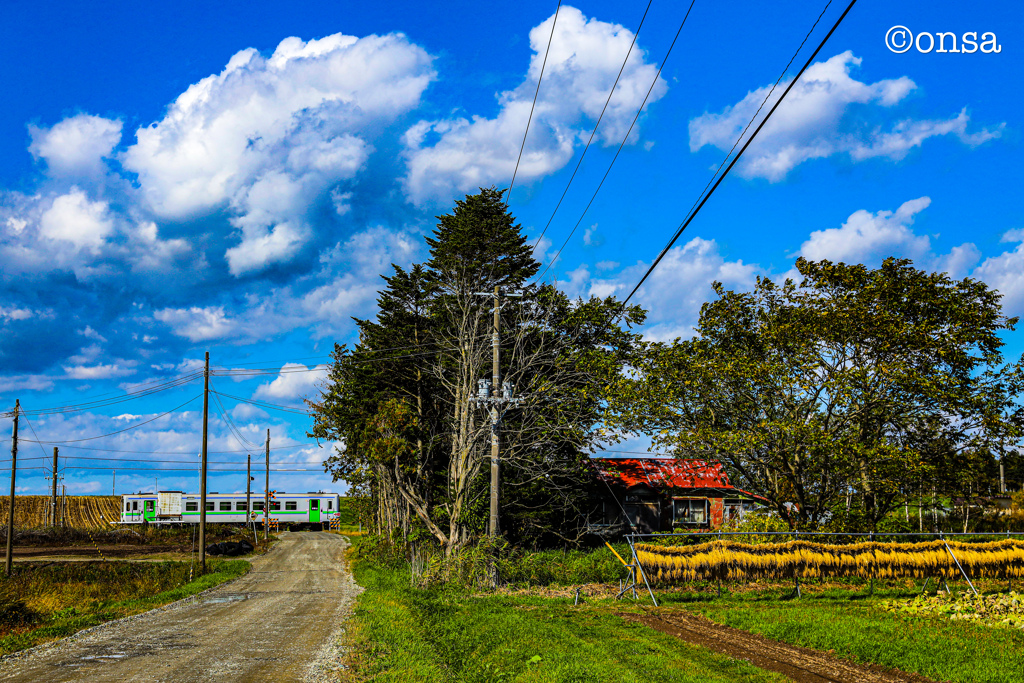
739, 154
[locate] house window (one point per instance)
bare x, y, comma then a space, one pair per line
191, 507
257, 505
689, 511
733, 509
291, 505
225, 506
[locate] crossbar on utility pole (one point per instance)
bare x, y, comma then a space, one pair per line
202, 475
14, 470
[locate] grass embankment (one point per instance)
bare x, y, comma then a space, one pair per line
401, 633
447, 634
858, 628
39, 603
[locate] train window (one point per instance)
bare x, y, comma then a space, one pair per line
191, 507
257, 505
242, 507
127, 505
291, 505
225, 506
314, 505
135, 505
330, 505
209, 507
275, 505
150, 504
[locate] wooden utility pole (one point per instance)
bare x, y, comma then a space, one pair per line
53, 496
266, 494
248, 482
14, 470
496, 373
202, 475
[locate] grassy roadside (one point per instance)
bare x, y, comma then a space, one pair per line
856, 628
400, 634
58, 599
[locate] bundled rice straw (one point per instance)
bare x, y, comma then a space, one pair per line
728, 560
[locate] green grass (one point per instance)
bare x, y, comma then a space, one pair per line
43, 603
401, 634
856, 628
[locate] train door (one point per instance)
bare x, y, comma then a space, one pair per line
314, 510
149, 513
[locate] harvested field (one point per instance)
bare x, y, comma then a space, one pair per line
801, 664
92, 512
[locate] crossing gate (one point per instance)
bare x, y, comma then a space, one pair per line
272, 525
335, 525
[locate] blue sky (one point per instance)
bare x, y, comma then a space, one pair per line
234, 177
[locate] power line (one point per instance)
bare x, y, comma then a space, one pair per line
536, 92
263, 404
693, 213
118, 450
129, 396
599, 118
121, 431
622, 144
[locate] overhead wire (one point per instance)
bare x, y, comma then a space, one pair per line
611, 92
621, 144
121, 431
693, 213
533, 106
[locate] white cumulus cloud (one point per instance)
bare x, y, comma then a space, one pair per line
825, 114
74, 218
268, 135
295, 382
77, 145
867, 235
197, 324
459, 154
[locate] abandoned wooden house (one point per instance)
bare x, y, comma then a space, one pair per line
644, 495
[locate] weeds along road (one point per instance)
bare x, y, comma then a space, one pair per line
280, 622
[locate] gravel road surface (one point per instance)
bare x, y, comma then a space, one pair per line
283, 621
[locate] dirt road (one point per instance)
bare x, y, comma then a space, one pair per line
280, 622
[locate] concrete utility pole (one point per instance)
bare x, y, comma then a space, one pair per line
14, 470
202, 476
53, 496
266, 494
495, 437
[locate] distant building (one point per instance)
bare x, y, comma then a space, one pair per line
662, 494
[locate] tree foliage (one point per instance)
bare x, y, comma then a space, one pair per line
400, 402
840, 396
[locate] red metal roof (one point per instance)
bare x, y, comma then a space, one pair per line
661, 473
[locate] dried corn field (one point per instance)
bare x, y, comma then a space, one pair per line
78, 511
729, 561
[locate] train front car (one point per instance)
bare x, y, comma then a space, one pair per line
313, 510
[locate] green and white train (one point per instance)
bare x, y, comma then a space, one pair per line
178, 507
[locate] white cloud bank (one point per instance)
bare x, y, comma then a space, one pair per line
266, 136
456, 155
294, 383
820, 118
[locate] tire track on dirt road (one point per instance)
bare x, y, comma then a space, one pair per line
276, 623
800, 664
